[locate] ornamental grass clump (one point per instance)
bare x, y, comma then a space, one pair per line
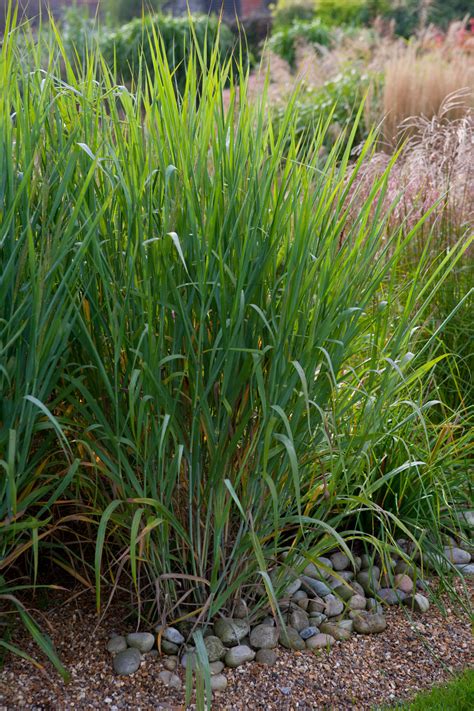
205, 352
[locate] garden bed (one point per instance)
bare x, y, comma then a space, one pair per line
410, 655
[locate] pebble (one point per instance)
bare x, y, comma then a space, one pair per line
390, 596
293, 587
340, 561
317, 618
218, 682
404, 583
264, 637
466, 569
317, 586
320, 641
334, 630
457, 556
357, 602
216, 667
290, 638
345, 592
143, 641
266, 656
173, 635
239, 655
369, 579
189, 659
316, 605
369, 623
170, 663
127, 662
299, 620
215, 648
418, 603
333, 606
231, 630
308, 632
170, 680
374, 606
168, 647
117, 644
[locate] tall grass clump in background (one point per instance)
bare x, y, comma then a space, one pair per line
207, 356
418, 86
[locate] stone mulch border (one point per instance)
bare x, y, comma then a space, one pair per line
412, 654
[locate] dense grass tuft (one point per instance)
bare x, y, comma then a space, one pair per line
207, 355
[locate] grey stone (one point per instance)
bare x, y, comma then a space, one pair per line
339, 633
366, 561
340, 561
357, 563
333, 606
316, 605
374, 606
467, 518
239, 655
268, 621
218, 682
170, 663
345, 592
316, 618
299, 620
308, 632
266, 656
457, 556
127, 662
346, 625
369, 623
215, 648
293, 587
418, 602
231, 630
357, 602
357, 588
169, 647
290, 638
402, 567
466, 569
320, 641
390, 596
173, 635
369, 579
299, 595
117, 644
264, 637
216, 667
317, 586
143, 641
404, 583
170, 680
241, 611
189, 659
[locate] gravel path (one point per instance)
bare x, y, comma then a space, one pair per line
359, 674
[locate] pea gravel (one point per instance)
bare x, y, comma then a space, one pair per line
410, 655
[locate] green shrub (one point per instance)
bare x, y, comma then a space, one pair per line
131, 46
286, 12
441, 12
341, 12
121, 11
284, 41
339, 99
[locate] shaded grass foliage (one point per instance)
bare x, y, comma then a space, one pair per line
205, 358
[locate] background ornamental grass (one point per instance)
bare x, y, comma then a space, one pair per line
208, 356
